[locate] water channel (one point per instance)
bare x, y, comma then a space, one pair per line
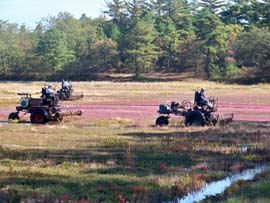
215, 188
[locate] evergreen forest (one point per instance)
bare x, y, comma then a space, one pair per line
218, 40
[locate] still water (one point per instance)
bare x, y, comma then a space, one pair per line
215, 188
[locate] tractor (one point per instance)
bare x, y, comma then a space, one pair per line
42, 110
194, 114
69, 94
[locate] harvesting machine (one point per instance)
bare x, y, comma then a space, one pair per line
42, 110
69, 94
194, 114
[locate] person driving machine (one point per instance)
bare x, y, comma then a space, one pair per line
49, 93
203, 101
66, 85
200, 98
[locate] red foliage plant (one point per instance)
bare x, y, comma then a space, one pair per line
162, 166
99, 189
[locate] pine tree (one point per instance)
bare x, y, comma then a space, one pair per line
180, 13
140, 51
260, 13
237, 12
117, 11
73, 31
159, 8
215, 6
168, 41
12, 51
52, 48
213, 35
174, 24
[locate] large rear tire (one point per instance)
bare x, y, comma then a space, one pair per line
39, 117
13, 117
195, 118
162, 121
212, 121
61, 96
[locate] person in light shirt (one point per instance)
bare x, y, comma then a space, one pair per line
50, 90
50, 93
66, 85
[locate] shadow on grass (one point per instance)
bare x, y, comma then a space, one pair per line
26, 184
99, 183
234, 130
141, 158
59, 156
120, 165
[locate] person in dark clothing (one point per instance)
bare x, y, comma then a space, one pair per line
202, 101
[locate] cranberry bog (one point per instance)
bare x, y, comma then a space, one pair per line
114, 153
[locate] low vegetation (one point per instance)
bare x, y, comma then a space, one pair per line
127, 159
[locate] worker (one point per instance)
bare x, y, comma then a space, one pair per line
50, 93
202, 100
50, 90
66, 85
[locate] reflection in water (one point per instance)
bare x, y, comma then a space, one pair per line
218, 187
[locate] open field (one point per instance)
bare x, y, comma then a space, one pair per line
113, 152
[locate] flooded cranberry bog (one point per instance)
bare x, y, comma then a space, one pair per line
114, 153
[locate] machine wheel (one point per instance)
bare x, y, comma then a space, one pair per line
39, 117
213, 120
195, 118
14, 116
63, 96
162, 121
57, 117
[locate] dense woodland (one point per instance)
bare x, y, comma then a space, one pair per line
214, 39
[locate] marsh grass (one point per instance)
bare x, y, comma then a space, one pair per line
108, 160
54, 160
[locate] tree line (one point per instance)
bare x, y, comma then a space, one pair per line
215, 39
